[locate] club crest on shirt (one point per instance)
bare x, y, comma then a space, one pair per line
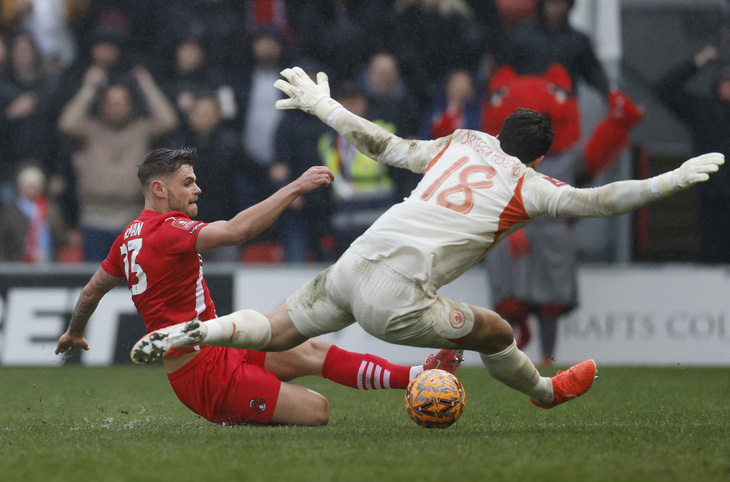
457, 318
257, 405
183, 223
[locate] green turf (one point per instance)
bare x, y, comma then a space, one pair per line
124, 423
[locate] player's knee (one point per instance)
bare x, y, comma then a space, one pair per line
491, 333
321, 412
502, 335
318, 346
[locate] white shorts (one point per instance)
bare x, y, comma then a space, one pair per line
385, 303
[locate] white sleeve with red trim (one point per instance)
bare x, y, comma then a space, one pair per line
544, 195
382, 146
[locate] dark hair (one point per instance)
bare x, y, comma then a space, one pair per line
163, 162
526, 135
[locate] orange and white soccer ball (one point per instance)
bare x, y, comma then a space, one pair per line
435, 399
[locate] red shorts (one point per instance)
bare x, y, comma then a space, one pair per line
227, 385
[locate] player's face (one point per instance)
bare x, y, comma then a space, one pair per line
183, 192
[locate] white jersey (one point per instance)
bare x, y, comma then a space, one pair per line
472, 195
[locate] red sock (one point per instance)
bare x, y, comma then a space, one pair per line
363, 371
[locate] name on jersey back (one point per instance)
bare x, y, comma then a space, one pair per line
481, 146
134, 229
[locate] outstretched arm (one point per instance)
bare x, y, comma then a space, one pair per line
99, 285
625, 196
369, 138
252, 221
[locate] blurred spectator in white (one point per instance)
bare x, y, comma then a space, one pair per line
259, 120
33, 227
109, 148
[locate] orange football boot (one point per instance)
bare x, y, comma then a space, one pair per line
571, 384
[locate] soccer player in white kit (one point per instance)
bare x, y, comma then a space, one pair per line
472, 195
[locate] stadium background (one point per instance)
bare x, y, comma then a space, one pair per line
645, 302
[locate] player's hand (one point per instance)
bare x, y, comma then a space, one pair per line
304, 94
697, 169
313, 178
69, 342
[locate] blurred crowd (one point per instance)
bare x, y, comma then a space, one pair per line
87, 87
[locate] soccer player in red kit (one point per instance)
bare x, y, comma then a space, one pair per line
158, 256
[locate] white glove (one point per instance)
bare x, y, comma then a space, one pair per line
691, 172
304, 94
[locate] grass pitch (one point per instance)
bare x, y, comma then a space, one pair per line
124, 423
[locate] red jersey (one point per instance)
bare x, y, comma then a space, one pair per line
156, 254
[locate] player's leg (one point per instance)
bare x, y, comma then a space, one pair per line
298, 405
355, 370
494, 339
312, 304
245, 329
492, 336
230, 386
316, 311
252, 330
515, 311
450, 323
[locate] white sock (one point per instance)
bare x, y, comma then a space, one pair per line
247, 329
415, 371
513, 368
215, 332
